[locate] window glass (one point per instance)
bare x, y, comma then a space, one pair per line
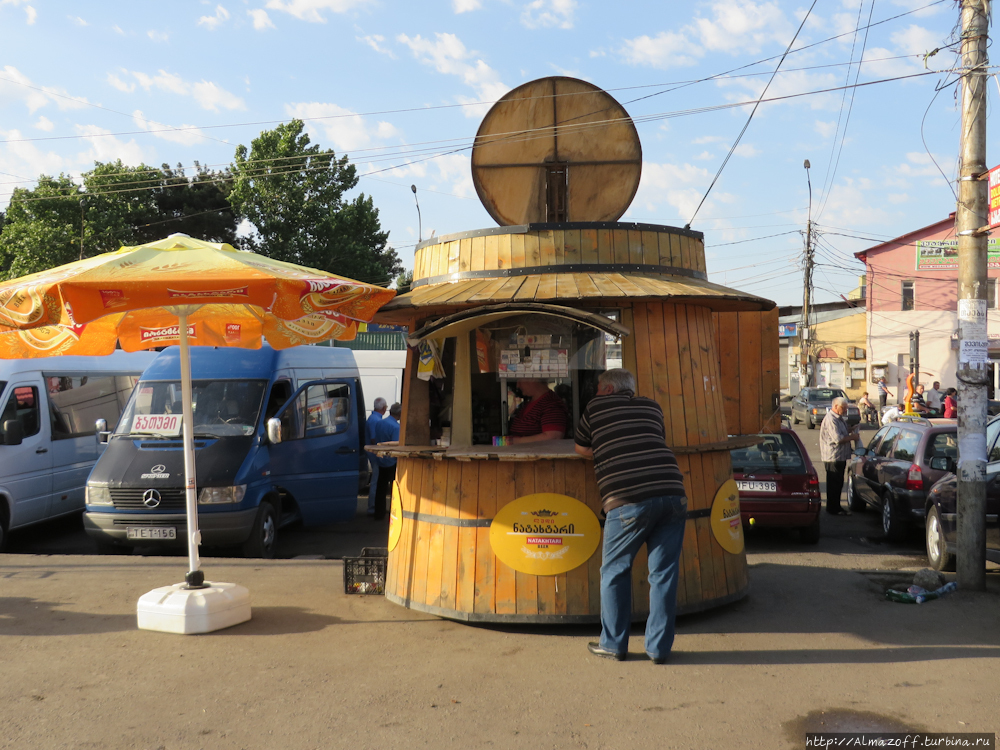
774, 454
907, 295
22, 406
886, 446
906, 445
992, 430
76, 402
943, 444
220, 407
826, 394
327, 408
878, 436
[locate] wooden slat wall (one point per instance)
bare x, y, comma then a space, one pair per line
559, 247
747, 345
673, 351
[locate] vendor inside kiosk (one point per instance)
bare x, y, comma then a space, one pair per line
516, 379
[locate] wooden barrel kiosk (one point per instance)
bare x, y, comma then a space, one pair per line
510, 533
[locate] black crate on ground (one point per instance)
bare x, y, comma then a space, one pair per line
366, 574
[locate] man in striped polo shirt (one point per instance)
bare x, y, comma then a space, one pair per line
643, 500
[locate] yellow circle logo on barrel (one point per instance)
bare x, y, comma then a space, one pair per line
545, 534
395, 517
726, 522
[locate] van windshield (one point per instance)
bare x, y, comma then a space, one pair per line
221, 408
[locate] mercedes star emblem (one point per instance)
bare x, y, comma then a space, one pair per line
151, 498
158, 469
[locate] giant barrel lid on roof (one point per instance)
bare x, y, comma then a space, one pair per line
556, 149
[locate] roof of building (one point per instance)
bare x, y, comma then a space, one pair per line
908, 238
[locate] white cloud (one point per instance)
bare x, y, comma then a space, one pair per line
158, 36
375, 42
260, 18
44, 123
704, 156
792, 84
667, 49
449, 174
213, 22
186, 135
464, 6
25, 159
549, 14
448, 55
105, 147
735, 26
747, 151
825, 129
679, 186
312, 10
118, 30
78, 21
19, 87
919, 6
31, 13
897, 198
209, 95
915, 40
347, 130
849, 205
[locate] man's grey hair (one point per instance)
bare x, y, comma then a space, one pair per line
380, 403
839, 401
396, 410
619, 379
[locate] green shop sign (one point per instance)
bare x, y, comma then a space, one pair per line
942, 255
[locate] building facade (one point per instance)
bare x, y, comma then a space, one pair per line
912, 286
837, 347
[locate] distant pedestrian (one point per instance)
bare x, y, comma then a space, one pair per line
643, 500
834, 450
378, 412
883, 392
933, 397
951, 404
386, 431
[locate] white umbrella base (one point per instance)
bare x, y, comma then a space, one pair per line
178, 609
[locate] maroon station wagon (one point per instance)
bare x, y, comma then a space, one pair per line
778, 484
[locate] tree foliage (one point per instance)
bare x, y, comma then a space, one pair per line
292, 192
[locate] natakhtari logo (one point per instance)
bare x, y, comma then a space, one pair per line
165, 333
242, 291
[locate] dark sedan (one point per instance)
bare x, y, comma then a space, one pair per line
940, 528
895, 471
812, 404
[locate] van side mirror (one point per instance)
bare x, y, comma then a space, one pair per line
274, 430
13, 432
860, 451
103, 436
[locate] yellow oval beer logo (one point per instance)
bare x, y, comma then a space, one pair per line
726, 523
545, 534
395, 517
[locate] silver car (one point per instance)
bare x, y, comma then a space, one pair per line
812, 404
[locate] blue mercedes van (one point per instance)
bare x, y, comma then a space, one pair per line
253, 477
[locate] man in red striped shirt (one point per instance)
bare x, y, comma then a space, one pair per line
541, 418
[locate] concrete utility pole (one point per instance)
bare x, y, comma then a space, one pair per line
970, 226
805, 380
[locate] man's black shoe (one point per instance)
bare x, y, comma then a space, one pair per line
596, 650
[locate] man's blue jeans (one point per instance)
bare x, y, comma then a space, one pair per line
657, 522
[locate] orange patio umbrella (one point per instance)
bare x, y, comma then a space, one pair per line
179, 291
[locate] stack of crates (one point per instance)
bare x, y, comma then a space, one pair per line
366, 574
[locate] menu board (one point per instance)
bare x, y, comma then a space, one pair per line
540, 363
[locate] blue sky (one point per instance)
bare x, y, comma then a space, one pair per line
401, 87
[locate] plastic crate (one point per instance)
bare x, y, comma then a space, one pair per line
366, 574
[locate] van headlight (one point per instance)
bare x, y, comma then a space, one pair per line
97, 494
212, 495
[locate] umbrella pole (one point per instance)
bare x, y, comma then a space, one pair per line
195, 577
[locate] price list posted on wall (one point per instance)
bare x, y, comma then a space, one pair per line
973, 347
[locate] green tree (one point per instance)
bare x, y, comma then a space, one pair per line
293, 193
59, 220
403, 282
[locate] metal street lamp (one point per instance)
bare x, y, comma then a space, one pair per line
420, 228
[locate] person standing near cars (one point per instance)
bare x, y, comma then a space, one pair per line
883, 392
378, 412
386, 431
643, 501
834, 449
951, 404
933, 397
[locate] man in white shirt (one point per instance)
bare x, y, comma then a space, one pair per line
891, 415
933, 397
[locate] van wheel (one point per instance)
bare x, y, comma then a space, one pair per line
263, 539
4, 523
107, 548
810, 424
937, 548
